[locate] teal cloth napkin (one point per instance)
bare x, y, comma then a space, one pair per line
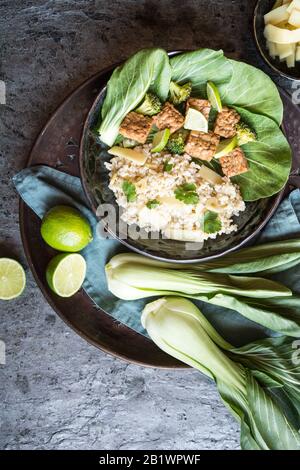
42, 187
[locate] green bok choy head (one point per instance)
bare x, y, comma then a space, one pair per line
141, 280
180, 329
146, 71
268, 303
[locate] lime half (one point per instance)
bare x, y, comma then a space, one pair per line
226, 146
195, 121
12, 279
65, 229
65, 273
160, 140
213, 96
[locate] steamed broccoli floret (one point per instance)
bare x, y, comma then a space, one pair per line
151, 105
176, 145
244, 134
179, 93
176, 142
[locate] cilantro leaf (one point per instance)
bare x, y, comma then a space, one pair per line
153, 204
188, 187
129, 191
168, 166
119, 140
211, 222
187, 193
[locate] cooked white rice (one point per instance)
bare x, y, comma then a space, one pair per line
170, 216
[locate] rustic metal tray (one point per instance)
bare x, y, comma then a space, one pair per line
58, 147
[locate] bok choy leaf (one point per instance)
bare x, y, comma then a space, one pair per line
281, 314
147, 70
263, 301
267, 258
276, 357
239, 84
269, 158
180, 329
191, 282
200, 67
264, 259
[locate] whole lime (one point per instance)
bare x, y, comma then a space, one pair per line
65, 229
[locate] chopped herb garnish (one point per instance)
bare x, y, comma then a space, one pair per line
187, 193
119, 140
211, 222
153, 204
129, 191
168, 166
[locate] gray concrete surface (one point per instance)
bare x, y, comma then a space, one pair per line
57, 391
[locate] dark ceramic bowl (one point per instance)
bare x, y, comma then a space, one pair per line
263, 7
95, 180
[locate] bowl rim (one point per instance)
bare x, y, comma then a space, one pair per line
261, 52
275, 203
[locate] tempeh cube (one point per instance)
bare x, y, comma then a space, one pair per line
169, 118
202, 145
226, 121
136, 126
235, 163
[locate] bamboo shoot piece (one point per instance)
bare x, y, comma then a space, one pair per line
133, 155
209, 175
282, 31
294, 19
295, 4
281, 36
277, 16
272, 49
290, 61
285, 50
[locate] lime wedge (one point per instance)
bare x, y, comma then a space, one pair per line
65, 273
213, 96
195, 121
226, 146
160, 140
12, 279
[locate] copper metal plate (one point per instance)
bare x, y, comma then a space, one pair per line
58, 147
